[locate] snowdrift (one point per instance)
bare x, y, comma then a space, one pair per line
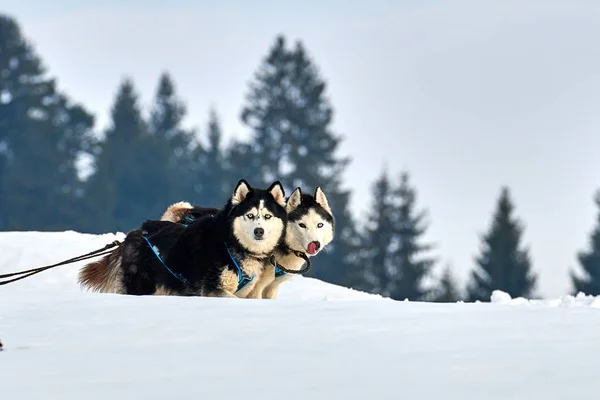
26, 250
316, 341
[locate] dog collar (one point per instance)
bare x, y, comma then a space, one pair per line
278, 271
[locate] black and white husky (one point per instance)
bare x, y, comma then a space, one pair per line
221, 255
310, 228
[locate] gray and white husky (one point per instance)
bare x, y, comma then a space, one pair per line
310, 228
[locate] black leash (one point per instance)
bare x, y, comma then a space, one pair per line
105, 250
293, 271
29, 272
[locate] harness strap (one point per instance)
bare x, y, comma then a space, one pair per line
243, 278
279, 272
189, 220
179, 277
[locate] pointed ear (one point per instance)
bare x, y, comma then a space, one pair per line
241, 191
277, 192
322, 200
294, 200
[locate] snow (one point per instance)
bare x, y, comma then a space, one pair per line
316, 341
581, 300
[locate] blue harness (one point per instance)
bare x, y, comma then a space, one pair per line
179, 277
279, 272
243, 278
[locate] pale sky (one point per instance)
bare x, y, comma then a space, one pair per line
466, 95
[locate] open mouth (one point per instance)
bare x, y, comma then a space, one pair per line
313, 248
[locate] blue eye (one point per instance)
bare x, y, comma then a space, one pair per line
250, 216
320, 225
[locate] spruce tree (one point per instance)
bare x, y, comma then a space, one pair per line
447, 290
392, 260
42, 135
216, 177
242, 162
174, 147
503, 263
121, 192
375, 269
412, 265
292, 141
589, 261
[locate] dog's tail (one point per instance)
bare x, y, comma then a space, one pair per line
104, 275
176, 211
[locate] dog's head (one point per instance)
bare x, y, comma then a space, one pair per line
311, 225
258, 217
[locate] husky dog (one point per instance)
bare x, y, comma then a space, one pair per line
310, 228
220, 255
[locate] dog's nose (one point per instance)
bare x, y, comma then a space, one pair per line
317, 244
258, 232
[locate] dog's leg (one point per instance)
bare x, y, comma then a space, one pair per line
266, 277
225, 286
137, 282
254, 294
270, 292
131, 280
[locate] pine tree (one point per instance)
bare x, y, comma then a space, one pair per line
121, 192
217, 179
502, 264
447, 290
412, 269
174, 147
374, 272
292, 141
391, 260
242, 162
589, 261
42, 135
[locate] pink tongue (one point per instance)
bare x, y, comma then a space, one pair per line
312, 248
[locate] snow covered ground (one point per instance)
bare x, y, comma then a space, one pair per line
316, 341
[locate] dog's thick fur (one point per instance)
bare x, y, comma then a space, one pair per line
104, 275
250, 226
310, 226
